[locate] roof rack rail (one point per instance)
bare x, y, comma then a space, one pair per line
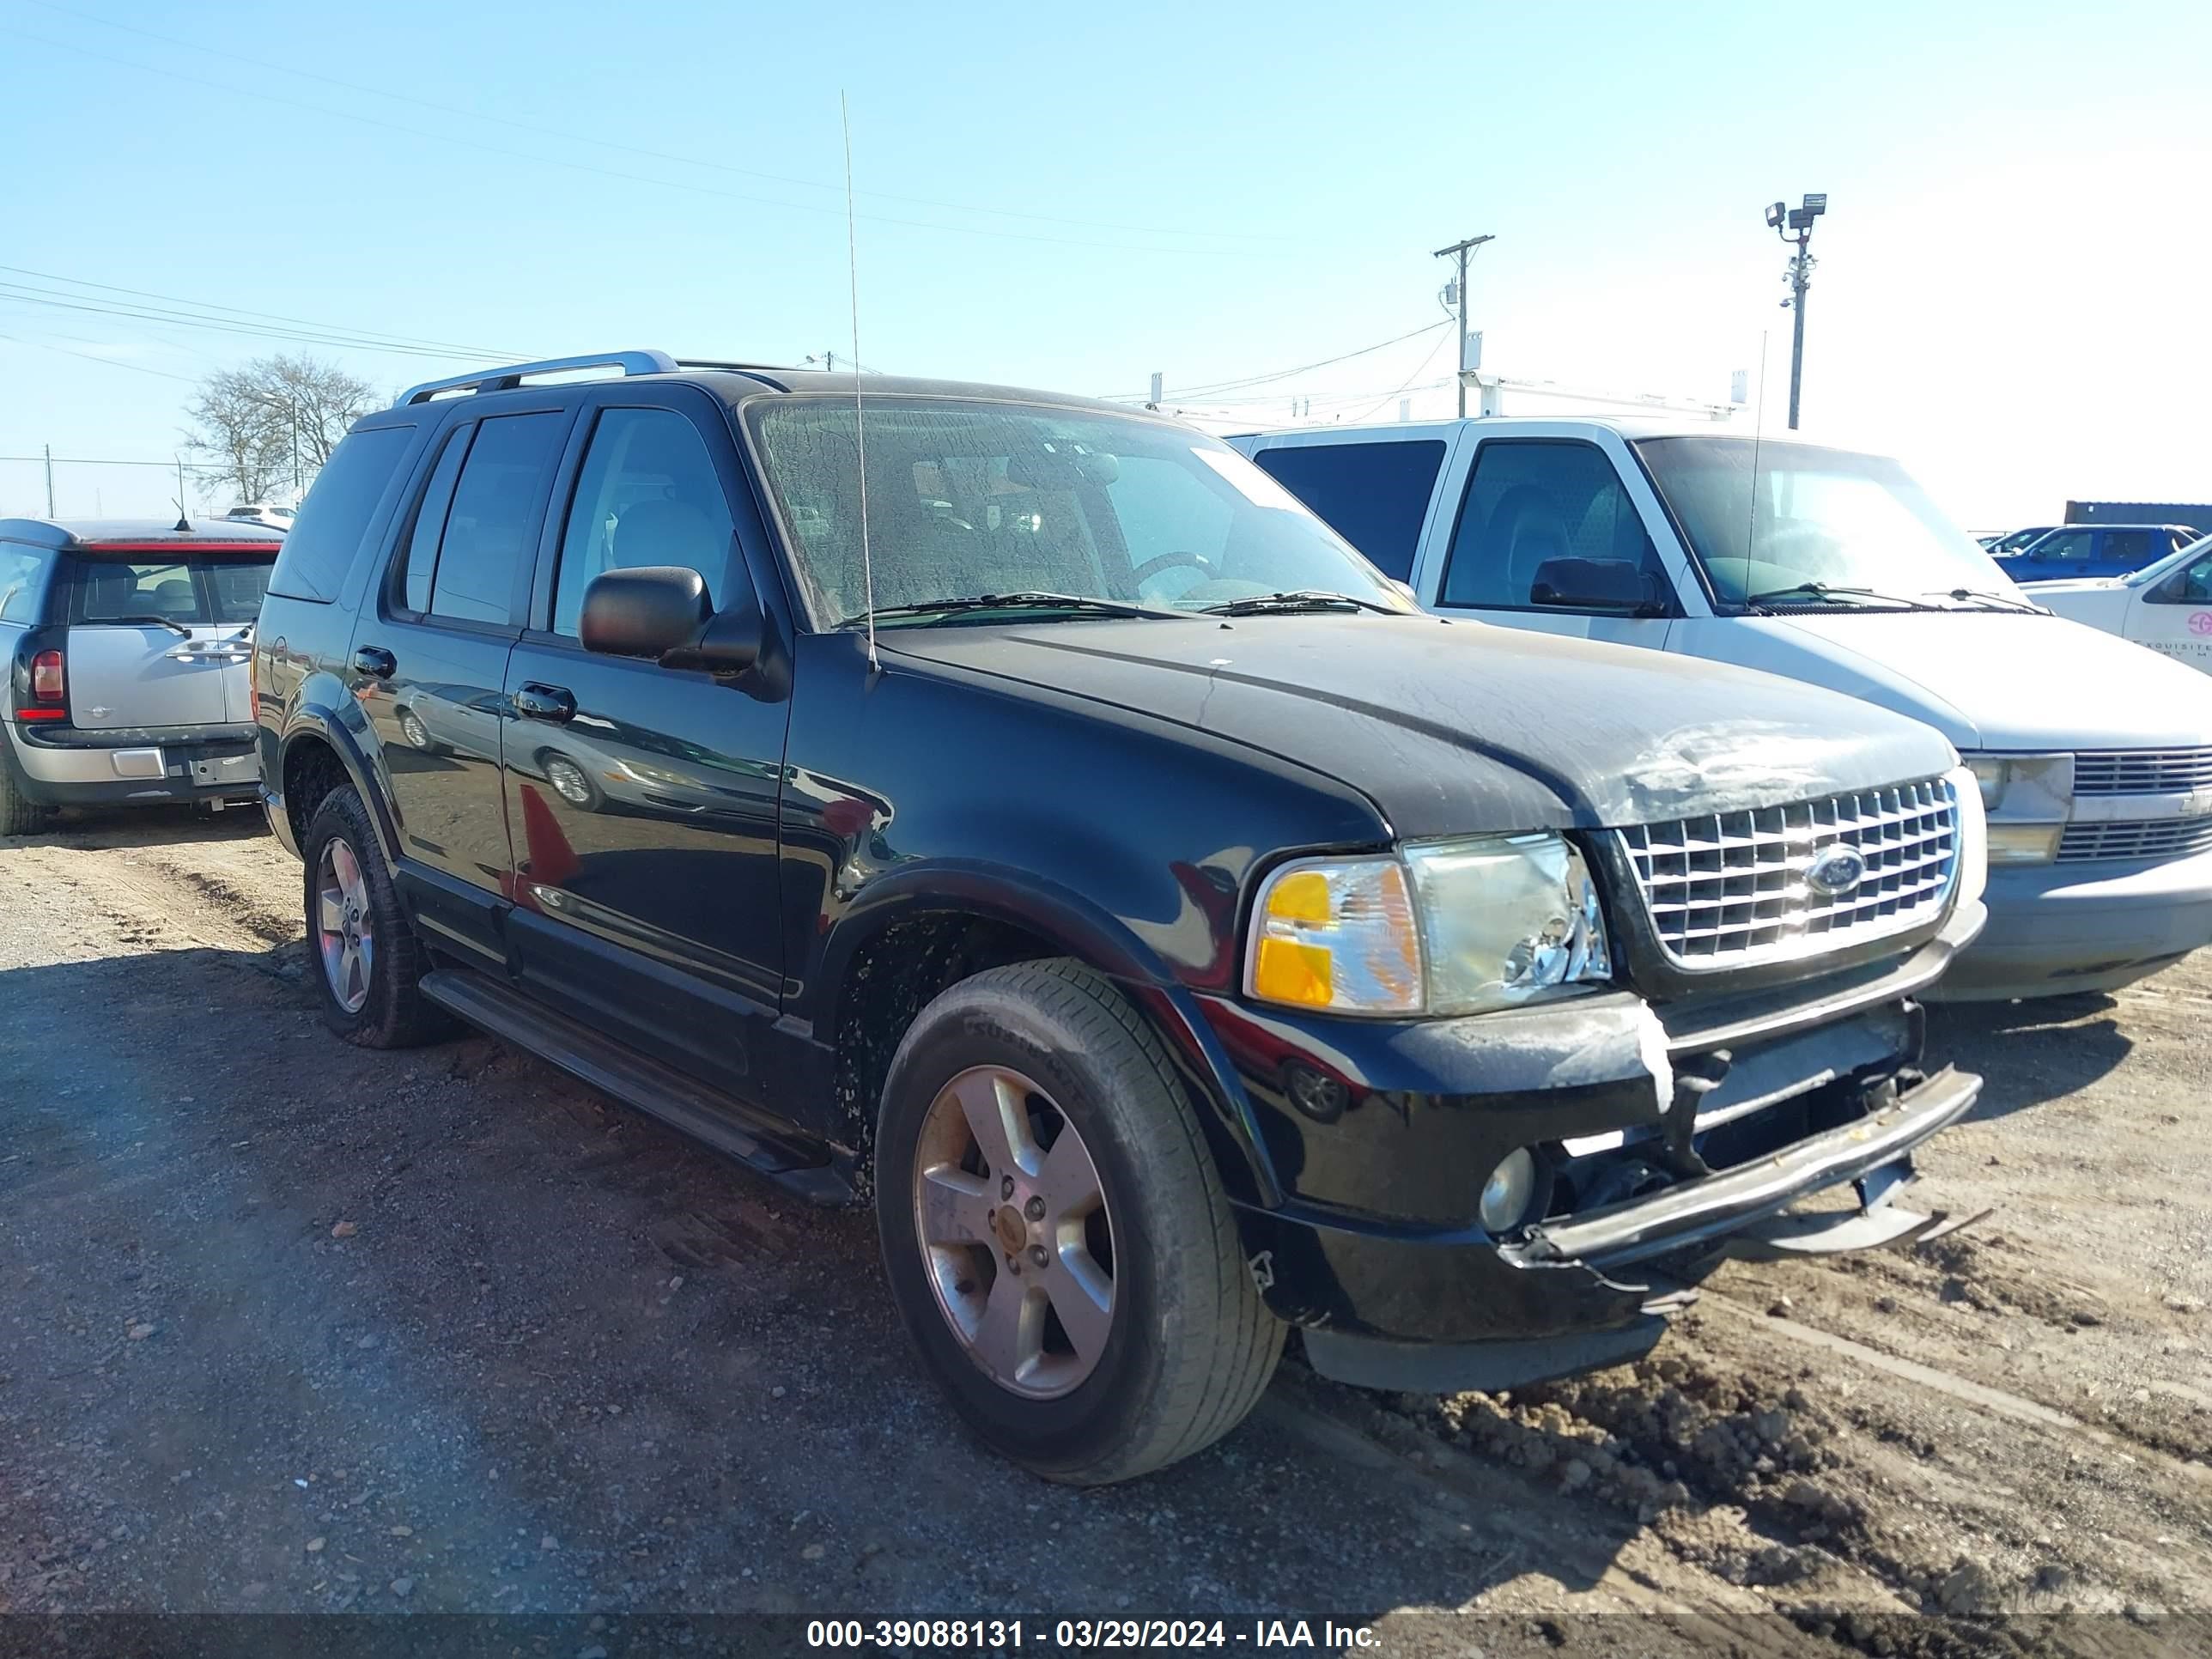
742, 369
505, 379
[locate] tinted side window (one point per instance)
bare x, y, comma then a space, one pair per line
1374, 496
23, 581
430, 519
2131, 547
491, 529
2063, 544
1532, 500
647, 495
335, 516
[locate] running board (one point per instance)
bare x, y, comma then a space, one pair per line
638, 1081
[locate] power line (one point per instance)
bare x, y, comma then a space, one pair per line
256, 316
135, 368
34, 296
1181, 392
631, 149
323, 112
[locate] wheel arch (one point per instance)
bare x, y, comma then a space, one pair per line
917, 931
313, 743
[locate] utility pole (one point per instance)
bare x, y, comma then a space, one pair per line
1460, 250
1799, 276
50, 481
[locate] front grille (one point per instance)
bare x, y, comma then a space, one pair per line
2160, 838
1730, 889
2141, 771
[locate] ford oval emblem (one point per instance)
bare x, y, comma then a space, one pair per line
1835, 870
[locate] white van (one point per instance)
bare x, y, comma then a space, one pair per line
1824, 565
2166, 605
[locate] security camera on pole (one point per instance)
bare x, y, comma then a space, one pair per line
1799, 276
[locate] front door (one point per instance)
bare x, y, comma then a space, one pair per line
2174, 617
429, 667
642, 799
2062, 553
1531, 501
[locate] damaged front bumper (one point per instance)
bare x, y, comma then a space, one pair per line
1671, 1138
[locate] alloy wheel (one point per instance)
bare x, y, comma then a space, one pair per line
345, 930
569, 780
1014, 1232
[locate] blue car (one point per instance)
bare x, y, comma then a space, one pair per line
2093, 550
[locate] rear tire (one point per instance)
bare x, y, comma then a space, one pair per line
19, 814
351, 901
1180, 1346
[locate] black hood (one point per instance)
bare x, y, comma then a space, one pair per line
1453, 726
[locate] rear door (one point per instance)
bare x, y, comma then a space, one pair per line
160, 638
429, 663
2123, 552
1531, 500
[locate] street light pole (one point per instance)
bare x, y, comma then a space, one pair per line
1462, 250
1799, 276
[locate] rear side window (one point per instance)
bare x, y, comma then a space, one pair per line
491, 528
2131, 547
151, 591
23, 581
1533, 500
1374, 496
336, 515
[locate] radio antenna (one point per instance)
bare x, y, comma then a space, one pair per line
859, 416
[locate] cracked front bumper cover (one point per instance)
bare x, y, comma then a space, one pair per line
1697, 1213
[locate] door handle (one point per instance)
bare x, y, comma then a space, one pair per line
376, 662
534, 701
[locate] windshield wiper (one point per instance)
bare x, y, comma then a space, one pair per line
2003, 601
151, 622
1021, 601
1303, 598
1819, 592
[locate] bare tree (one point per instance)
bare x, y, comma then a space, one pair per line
274, 422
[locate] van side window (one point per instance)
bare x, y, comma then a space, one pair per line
1532, 499
328, 532
1374, 496
647, 495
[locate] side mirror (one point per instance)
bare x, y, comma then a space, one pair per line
1595, 585
1404, 590
645, 612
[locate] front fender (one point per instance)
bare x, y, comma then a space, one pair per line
1080, 927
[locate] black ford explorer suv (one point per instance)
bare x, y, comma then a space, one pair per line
1018, 813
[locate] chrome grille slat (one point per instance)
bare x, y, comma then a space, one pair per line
1727, 890
2154, 838
2141, 771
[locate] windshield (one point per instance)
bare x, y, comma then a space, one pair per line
1818, 519
971, 498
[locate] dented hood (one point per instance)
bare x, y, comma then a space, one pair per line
1452, 726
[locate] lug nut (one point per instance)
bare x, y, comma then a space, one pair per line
1034, 1209
1014, 1266
1006, 1188
1037, 1254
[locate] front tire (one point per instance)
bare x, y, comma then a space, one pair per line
1055, 1232
364, 958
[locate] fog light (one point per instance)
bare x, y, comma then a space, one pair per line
1505, 1194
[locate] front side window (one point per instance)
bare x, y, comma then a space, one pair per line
2191, 585
491, 526
647, 495
1530, 501
966, 499
1792, 527
2063, 544
1374, 496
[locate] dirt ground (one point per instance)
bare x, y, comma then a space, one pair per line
286, 1327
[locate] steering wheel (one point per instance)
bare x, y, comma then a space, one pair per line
1152, 567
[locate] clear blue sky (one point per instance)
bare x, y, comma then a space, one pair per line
2008, 291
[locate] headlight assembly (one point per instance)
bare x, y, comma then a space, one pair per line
2028, 799
1439, 927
